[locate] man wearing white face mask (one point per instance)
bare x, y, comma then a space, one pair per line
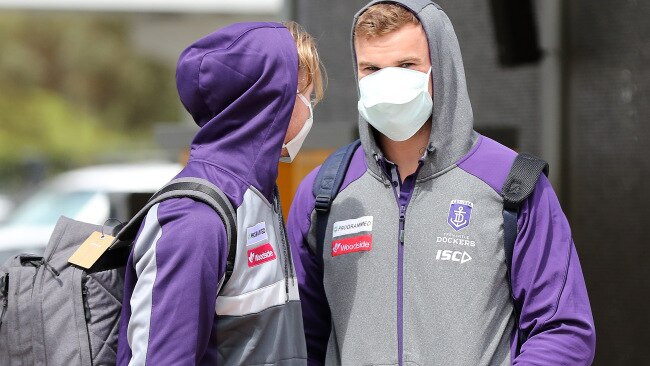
408, 263
198, 291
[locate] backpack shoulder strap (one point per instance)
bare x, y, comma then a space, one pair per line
520, 183
199, 190
327, 185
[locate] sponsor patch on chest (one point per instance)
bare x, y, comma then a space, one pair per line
351, 236
259, 255
354, 244
352, 226
256, 234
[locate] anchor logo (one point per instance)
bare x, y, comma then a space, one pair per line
459, 214
459, 217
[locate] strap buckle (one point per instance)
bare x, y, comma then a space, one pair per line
323, 203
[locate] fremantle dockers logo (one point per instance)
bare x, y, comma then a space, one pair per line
459, 214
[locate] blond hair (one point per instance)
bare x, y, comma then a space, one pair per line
308, 60
381, 19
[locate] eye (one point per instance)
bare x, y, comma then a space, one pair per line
371, 68
406, 65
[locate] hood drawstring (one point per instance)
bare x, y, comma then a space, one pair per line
378, 160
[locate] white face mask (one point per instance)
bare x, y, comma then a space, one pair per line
396, 101
295, 144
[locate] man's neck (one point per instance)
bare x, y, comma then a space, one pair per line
406, 154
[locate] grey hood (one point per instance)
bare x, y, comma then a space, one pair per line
452, 134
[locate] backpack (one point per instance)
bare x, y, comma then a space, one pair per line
58, 313
519, 184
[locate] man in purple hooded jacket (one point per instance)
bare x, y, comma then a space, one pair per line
248, 87
412, 270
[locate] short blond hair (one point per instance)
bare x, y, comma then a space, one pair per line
308, 60
381, 19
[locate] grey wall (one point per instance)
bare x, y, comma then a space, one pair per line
609, 168
605, 165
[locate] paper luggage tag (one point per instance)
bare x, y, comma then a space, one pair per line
91, 250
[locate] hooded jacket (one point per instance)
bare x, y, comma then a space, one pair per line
414, 273
239, 84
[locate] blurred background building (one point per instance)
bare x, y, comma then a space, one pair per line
85, 82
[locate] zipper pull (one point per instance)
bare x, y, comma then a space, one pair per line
402, 220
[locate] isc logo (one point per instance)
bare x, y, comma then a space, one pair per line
454, 256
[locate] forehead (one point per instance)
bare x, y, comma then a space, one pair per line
407, 42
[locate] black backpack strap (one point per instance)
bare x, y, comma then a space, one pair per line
199, 190
327, 185
520, 183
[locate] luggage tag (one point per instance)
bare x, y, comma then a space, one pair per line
91, 250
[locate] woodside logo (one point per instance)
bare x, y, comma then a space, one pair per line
262, 254
351, 245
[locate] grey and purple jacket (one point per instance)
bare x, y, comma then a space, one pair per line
414, 272
239, 84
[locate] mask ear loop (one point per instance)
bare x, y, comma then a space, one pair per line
426, 88
307, 103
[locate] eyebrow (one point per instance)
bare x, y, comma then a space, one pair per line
366, 64
402, 61
409, 59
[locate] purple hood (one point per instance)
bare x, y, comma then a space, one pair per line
239, 84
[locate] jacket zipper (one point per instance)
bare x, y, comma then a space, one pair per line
400, 285
4, 288
84, 299
5, 304
400, 259
283, 238
400, 256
